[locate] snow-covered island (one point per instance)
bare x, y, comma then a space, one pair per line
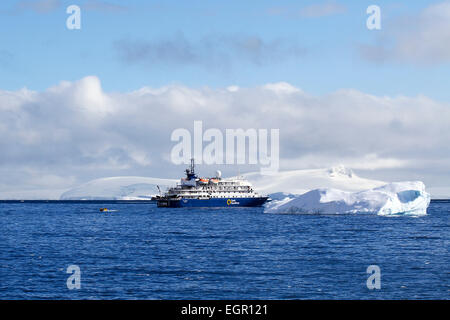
293, 181
118, 188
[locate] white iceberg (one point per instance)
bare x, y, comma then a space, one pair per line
399, 198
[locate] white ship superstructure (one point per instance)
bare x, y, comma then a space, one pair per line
193, 191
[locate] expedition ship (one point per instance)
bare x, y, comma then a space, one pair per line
210, 192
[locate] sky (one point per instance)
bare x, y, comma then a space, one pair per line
101, 101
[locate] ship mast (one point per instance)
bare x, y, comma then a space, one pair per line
190, 172
192, 166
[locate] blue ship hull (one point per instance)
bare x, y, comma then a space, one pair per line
211, 203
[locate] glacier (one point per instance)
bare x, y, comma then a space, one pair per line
303, 180
392, 199
118, 188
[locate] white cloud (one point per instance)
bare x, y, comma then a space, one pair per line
74, 131
369, 161
422, 38
233, 88
282, 88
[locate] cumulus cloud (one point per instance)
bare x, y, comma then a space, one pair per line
75, 131
423, 38
212, 51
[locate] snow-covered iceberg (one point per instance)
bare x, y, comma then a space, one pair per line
399, 198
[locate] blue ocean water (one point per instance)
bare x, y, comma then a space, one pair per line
142, 252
